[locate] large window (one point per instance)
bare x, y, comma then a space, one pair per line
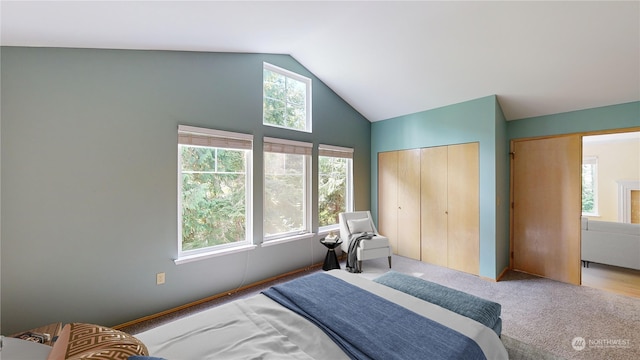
286, 99
335, 184
287, 188
214, 190
590, 186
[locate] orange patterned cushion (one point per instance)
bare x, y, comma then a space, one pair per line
87, 341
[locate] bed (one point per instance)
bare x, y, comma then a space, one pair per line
328, 315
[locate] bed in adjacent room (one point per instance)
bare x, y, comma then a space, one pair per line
332, 315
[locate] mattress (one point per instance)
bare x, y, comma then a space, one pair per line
258, 327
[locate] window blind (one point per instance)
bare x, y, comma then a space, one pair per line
287, 146
335, 151
189, 135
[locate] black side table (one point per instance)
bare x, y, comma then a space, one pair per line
331, 260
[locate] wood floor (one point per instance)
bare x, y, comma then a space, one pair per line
612, 278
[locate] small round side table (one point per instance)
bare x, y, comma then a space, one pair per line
331, 260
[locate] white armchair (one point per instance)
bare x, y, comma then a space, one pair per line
361, 221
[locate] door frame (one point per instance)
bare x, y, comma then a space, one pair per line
511, 174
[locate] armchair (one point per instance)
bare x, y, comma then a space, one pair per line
358, 222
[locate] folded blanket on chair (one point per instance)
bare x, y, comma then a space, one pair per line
354, 242
481, 310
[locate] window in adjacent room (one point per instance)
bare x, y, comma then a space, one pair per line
335, 184
287, 189
214, 190
286, 99
590, 186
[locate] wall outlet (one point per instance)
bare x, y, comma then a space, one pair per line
160, 278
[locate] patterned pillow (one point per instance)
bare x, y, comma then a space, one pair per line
87, 341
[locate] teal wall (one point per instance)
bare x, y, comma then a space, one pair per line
482, 120
611, 117
471, 121
89, 178
502, 192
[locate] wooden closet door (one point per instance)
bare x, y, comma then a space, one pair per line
388, 197
433, 195
409, 203
547, 207
463, 196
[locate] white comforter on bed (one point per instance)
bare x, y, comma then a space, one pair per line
259, 328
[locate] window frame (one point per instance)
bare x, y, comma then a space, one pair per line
204, 137
295, 76
294, 148
593, 161
337, 152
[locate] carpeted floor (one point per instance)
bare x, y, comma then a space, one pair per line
542, 318
543, 314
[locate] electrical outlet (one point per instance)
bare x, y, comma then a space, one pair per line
160, 278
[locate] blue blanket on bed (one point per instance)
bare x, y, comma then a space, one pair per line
481, 310
367, 326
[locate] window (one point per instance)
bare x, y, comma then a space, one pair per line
590, 186
214, 190
335, 184
286, 99
287, 188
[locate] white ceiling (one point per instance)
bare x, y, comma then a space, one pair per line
386, 59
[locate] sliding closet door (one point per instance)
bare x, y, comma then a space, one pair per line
547, 207
409, 203
463, 193
433, 194
388, 197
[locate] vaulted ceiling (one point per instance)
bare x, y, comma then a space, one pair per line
385, 58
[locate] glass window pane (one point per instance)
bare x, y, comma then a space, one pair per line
231, 161
274, 112
213, 198
284, 193
295, 117
285, 99
332, 189
296, 92
197, 158
274, 85
588, 188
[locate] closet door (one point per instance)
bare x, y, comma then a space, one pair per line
547, 207
388, 197
433, 195
408, 228
463, 198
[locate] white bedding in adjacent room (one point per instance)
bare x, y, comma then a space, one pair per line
261, 327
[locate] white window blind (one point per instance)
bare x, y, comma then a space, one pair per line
335, 151
287, 146
190, 135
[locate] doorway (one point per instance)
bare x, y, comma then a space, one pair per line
547, 204
611, 184
546, 207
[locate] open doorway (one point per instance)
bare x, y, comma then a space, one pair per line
611, 212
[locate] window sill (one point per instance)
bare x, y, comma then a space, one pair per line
267, 243
329, 229
211, 254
